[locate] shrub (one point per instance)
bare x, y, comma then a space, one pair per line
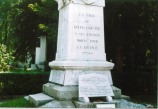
5, 58
22, 84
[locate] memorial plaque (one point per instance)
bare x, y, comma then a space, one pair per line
94, 85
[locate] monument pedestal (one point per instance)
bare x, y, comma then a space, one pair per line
80, 60
67, 72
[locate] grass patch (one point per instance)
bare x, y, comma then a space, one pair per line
19, 102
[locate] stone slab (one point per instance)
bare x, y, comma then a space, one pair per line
79, 104
94, 85
112, 102
70, 77
60, 92
40, 99
117, 92
59, 104
105, 106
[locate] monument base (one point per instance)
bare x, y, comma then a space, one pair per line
67, 72
58, 96
71, 92
60, 92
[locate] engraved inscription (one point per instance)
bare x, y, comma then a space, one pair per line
94, 85
88, 32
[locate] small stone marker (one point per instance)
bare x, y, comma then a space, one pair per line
105, 105
94, 85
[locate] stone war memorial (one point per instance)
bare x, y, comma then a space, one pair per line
80, 75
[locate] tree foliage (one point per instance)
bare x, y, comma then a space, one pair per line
5, 58
35, 18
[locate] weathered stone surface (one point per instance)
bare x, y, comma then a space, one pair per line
94, 85
61, 92
40, 99
59, 104
70, 77
117, 92
79, 104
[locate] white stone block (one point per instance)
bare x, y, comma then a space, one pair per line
39, 99
61, 92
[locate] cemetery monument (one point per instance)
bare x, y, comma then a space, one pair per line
80, 69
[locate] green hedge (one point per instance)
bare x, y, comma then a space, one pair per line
22, 84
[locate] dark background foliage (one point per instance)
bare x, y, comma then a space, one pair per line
131, 43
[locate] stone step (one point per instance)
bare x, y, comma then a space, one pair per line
117, 92
39, 99
59, 104
60, 92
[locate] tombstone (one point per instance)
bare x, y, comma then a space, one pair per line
37, 56
40, 55
80, 46
43, 49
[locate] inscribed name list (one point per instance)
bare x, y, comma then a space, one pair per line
94, 85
